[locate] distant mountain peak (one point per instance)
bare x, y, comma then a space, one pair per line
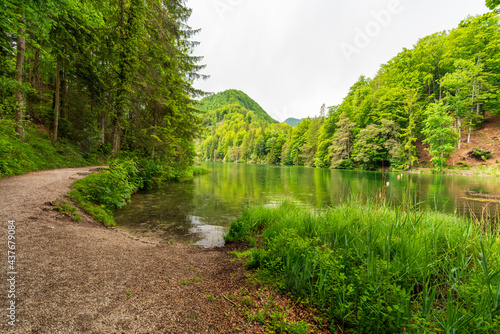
293, 121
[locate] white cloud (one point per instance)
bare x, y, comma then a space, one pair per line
286, 55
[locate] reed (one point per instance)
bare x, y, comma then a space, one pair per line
377, 269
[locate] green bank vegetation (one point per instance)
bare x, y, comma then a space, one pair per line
101, 193
374, 269
436, 92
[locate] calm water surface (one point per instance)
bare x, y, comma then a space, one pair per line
199, 211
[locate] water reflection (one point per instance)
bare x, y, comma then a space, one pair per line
198, 211
208, 235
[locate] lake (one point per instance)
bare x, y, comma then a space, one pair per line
199, 211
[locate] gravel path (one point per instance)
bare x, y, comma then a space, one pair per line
85, 278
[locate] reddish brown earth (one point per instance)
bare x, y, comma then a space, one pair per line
85, 278
487, 136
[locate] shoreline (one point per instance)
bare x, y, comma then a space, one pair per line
483, 171
84, 277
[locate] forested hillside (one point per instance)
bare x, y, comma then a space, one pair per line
113, 77
436, 92
236, 128
218, 104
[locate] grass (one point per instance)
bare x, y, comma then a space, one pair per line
66, 209
373, 269
211, 298
196, 280
190, 174
272, 315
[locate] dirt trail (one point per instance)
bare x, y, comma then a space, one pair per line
85, 278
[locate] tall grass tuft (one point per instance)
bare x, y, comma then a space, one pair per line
376, 269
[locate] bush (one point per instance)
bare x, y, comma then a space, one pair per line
99, 194
480, 153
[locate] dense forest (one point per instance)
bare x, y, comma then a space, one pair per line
114, 78
437, 92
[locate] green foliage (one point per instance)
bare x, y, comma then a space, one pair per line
111, 187
237, 134
492, 4
378, 144
481, 153
376, 270
459, 69
216, 104
101, 193
123, 73
325, 134
342, 143
66, 209
200, 170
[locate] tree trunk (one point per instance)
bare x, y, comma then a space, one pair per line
34, 75
409, 159
470, 130
459, 125
56, 103
63, 99
103, 128
115, 143
21, 46
116, 120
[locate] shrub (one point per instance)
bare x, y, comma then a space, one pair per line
480, 153
99, 194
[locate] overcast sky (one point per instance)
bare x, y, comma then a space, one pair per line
291, 56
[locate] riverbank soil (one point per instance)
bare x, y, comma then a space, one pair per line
80, 277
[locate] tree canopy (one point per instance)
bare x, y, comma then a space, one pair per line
113, 76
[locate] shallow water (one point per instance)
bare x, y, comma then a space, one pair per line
199, 211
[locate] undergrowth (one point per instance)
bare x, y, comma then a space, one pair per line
101, 193
37, 152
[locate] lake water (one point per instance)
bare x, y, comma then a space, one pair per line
200, 210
